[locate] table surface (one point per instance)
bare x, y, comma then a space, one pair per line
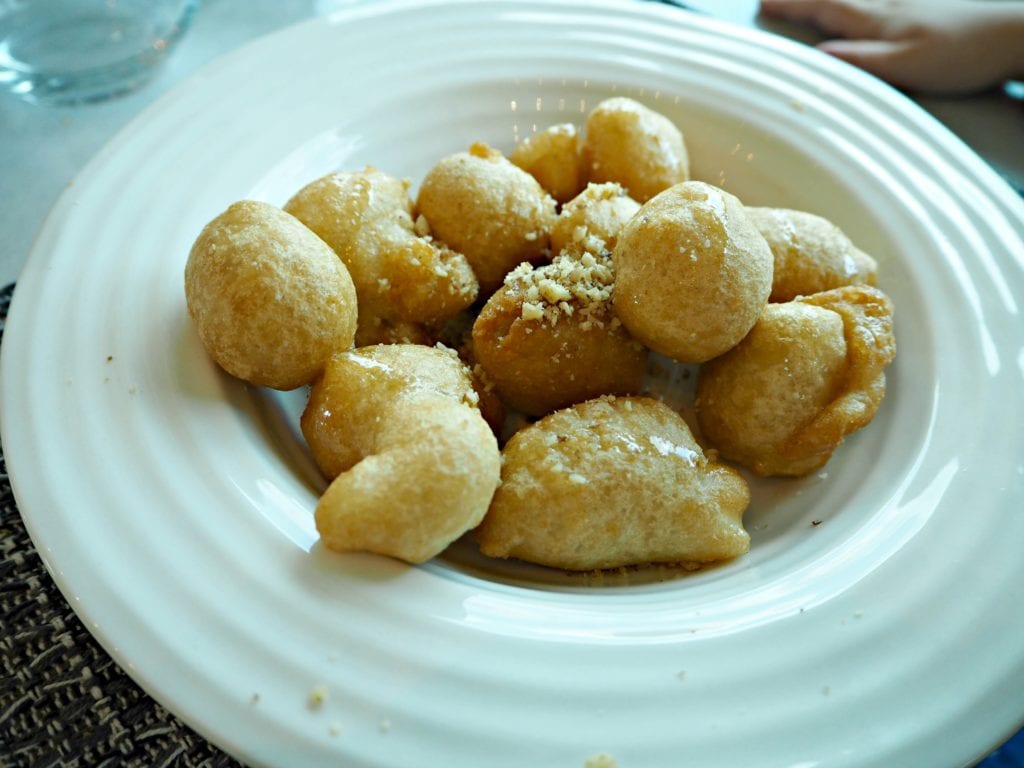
42, 150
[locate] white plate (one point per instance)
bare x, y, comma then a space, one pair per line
173, 505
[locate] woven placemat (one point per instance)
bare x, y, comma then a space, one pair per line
63, 700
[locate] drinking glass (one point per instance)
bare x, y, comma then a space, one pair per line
74, 51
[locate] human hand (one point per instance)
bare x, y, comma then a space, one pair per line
948, 47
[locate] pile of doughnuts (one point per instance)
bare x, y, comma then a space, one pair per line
477, 355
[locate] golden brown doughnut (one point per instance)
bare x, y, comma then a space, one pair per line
457, 334
613, 482
692, 272
810, 372
270, 301
483, 206
591, 221
378, 330
811, 253
629, 143
400, 275
552, 157
412, 463
549, 337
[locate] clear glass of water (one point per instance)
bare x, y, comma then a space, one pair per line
75, 51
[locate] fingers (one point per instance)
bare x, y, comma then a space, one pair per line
882, 58
911, 44
867, 34
843, 18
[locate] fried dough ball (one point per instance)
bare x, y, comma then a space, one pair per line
810, 372
811, 253
483, 206
401, 277
552, 157
614, 482
627, 142
457, 334
379, 330
692, 272
333, 433
549, 337
414, 464
270, 300
591, 221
